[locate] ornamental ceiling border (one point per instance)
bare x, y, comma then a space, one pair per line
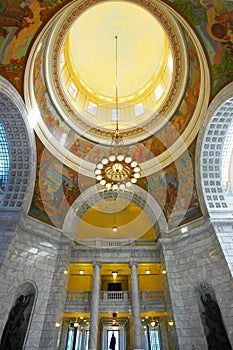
175, 94
84, 166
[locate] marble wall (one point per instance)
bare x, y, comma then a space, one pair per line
191, 258
34, 257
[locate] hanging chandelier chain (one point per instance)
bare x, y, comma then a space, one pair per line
117, 107
117, 171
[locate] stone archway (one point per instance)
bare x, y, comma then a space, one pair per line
22, 152
93, 195
17, 326
209, 153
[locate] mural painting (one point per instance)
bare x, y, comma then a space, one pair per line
56, 188
20, 21
214, 21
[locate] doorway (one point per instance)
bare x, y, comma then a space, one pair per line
114, 287
113, 337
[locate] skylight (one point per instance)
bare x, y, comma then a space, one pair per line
138, 109
159, 91
226, 157
4, 158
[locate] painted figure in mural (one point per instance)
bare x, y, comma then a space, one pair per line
12, 338
13, 15
112, 342
217, 338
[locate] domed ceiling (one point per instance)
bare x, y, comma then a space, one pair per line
70, 92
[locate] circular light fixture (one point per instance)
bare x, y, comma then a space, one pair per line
116, 172
81, 271
147, 271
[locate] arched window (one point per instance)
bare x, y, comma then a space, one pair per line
4, 158
227, 166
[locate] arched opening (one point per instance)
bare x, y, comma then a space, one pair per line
19, 318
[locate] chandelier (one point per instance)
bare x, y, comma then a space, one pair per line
118, 170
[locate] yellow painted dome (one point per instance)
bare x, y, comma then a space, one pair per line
143, 52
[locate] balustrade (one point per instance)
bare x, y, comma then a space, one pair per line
115, 295
149, 300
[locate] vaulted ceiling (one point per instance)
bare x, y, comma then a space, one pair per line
60, 56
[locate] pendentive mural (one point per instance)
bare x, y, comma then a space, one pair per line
57, 185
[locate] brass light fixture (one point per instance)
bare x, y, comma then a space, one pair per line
114, 274
76, 324
117, 171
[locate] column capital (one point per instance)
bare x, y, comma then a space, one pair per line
133, 263
97, 263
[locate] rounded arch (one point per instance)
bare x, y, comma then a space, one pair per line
18, 323
21, 148
94, 195
209, 153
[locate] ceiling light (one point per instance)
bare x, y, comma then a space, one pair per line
81, 271
117, 171
147, 271
114, 274
76, 324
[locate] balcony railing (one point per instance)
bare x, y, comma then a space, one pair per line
100, 242
80, 301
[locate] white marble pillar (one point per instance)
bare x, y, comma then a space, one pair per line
94, 313
137, 328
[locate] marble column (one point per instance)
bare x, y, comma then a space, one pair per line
137, 328
94, 313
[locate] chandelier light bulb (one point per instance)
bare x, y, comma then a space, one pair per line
112, 157
137, 169
136, 175
115, 186
97, 171
105, 161
120, 157
108, 185
133, 180
128, 159
102, 182
115, 229
99, 177
134, 164
100, 166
